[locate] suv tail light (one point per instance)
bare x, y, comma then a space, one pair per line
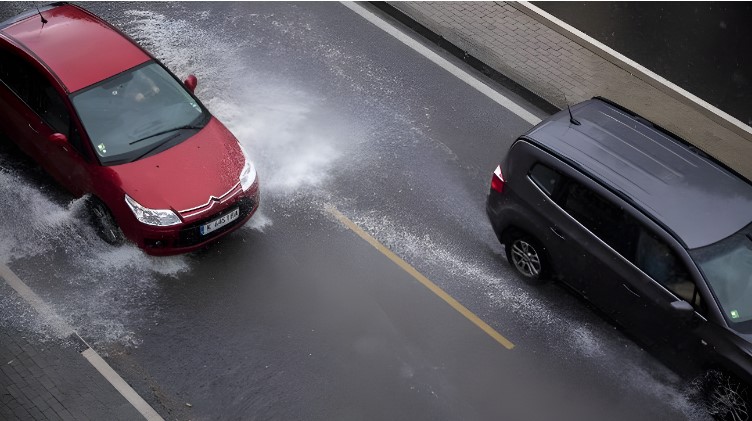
497, 180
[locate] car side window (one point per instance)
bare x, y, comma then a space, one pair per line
35, 90
657, 260
606, 220
545, 178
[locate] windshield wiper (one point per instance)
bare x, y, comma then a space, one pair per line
155, 147
186, 127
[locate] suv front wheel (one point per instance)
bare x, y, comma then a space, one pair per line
527, 257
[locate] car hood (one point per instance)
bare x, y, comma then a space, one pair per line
187, 175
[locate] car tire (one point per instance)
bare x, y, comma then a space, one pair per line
527, 257
104, 223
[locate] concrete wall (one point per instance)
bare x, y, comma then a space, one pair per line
561, 64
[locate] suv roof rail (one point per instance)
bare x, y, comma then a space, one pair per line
689, 146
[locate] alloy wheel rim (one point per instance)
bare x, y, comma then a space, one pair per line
526, 259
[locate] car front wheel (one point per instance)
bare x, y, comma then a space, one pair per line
527, 257
104, 223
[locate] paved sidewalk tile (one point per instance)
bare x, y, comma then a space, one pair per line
51, 380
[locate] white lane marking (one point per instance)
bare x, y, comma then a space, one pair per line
124, 388
444, 63
59, 325
64, 329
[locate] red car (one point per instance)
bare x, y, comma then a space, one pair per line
107, 120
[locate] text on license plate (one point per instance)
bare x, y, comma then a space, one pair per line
220, 222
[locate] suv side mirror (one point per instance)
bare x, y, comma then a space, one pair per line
59, 139
191, 82
682, 310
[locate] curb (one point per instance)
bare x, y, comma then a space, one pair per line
468, 58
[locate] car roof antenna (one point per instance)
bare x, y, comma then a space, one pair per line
42, 17
571, 117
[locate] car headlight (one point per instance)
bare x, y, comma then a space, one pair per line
156, 217
248, 174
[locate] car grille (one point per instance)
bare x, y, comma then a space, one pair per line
191, 235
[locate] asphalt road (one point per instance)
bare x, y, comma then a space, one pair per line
295, 316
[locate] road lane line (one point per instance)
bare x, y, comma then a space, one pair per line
64, 330
124, 388
59, 325
444, 63
420, 278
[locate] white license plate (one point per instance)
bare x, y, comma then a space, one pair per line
220, 222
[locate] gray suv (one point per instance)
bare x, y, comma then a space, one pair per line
644, 226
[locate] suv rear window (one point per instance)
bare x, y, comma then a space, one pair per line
545, 178
604, 219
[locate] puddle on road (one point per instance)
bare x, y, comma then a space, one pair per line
571, 341
296, 143
88, 283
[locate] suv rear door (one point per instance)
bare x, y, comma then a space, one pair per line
593, 232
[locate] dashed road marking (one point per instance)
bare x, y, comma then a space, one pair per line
444, 64
506, 343
64, 330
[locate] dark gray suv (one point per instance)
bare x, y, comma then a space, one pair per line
645, 227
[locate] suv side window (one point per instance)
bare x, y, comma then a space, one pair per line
35, 90
545, 178
657, 260
628, 237
604, 219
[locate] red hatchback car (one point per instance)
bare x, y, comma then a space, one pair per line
106, 119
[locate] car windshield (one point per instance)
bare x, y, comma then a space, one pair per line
133, 113
727, 266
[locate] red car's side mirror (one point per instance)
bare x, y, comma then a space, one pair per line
191, 82
59, 139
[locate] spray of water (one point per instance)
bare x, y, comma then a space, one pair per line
290, 135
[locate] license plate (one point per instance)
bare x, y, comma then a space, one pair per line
220, 222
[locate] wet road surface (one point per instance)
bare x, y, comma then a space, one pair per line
295, 316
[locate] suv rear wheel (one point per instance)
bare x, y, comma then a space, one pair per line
527, 257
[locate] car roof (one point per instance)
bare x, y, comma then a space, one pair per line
689, 194
78, 47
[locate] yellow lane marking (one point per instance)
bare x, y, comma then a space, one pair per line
420, 278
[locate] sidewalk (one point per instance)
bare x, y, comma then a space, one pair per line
561, 66
51, 380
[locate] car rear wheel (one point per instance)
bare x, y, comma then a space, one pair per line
104, 223
527, 257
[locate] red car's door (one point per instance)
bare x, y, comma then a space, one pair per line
15, 115
33, 111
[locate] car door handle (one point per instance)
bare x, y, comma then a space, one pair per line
33, 129
558, 233
633, 292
